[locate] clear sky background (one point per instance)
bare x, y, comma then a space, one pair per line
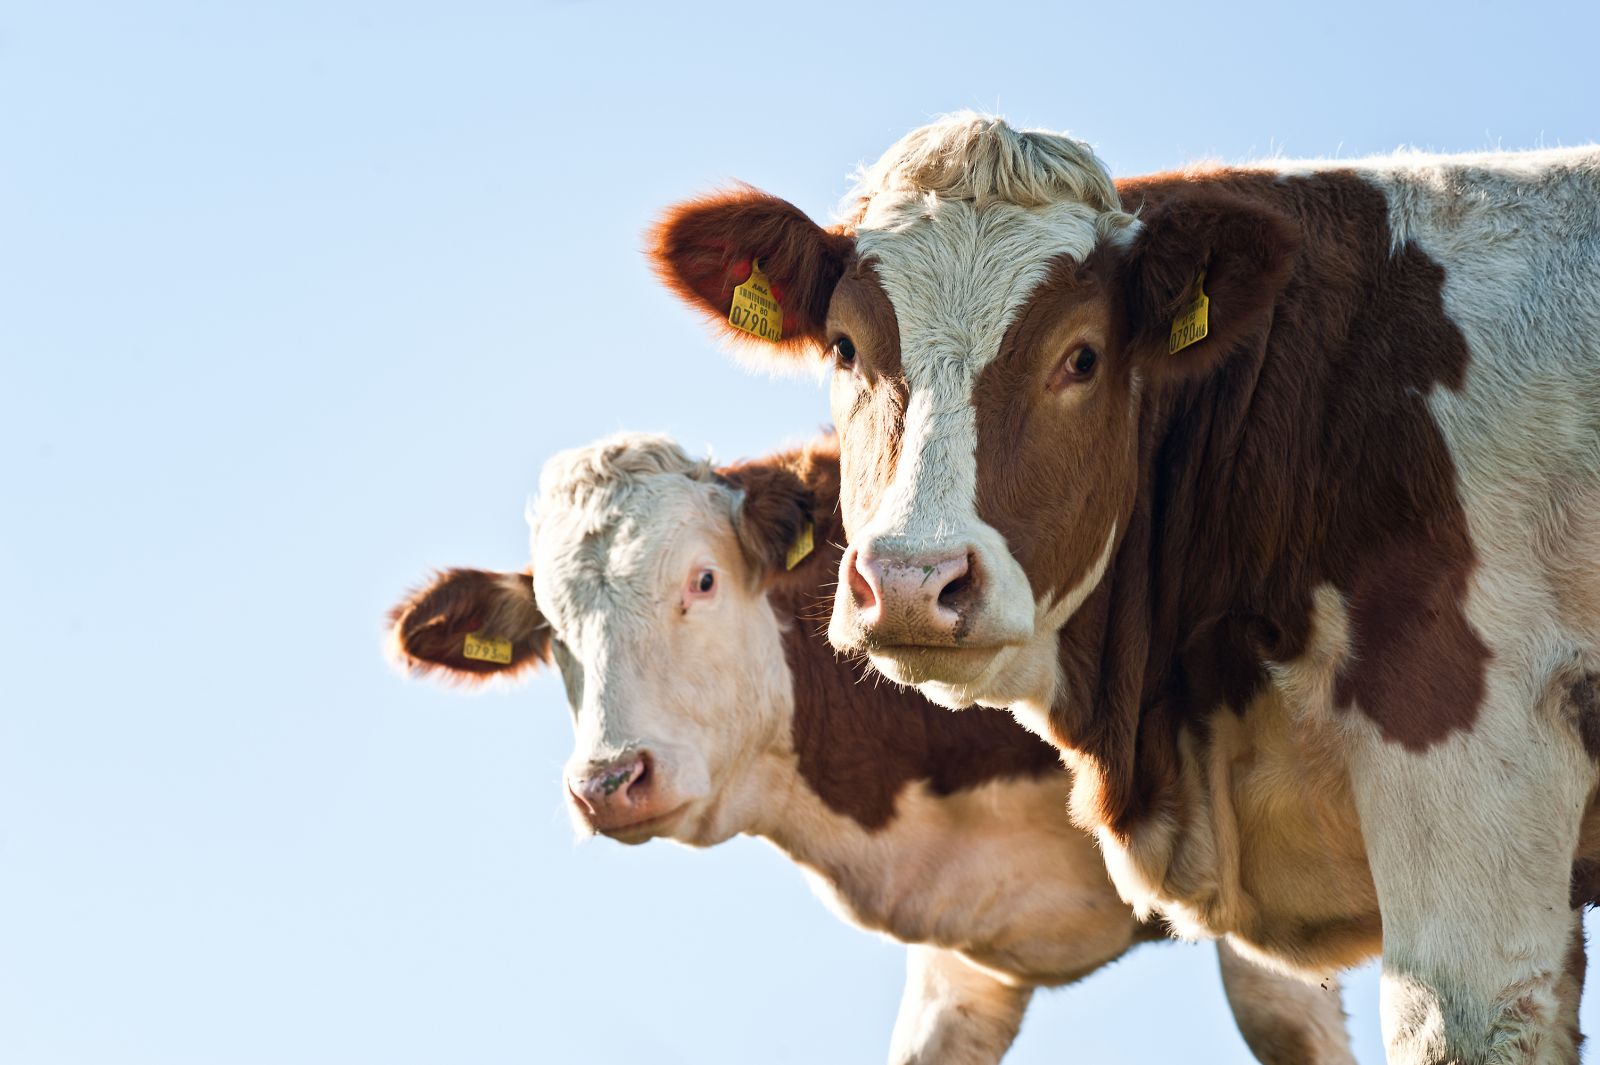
296, 298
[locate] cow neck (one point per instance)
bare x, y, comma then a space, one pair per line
1307, 458
860, 741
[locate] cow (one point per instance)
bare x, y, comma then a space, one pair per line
681, 604
1269, 494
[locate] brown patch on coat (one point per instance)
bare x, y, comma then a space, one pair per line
1290, 449
875, 387
860, 740
1583, 706
776, 507
428, 629
1051, 459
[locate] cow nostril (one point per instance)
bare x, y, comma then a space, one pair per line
861, 589
959, 589
581, 799
951, 594
641, 783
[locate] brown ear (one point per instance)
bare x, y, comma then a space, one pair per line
429, 629
703, 249
1246, 252
774, 515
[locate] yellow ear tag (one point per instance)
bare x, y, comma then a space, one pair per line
755, 309
1191, 326
487, 649
800, 550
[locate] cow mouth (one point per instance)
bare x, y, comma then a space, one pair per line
917, 664
645, 829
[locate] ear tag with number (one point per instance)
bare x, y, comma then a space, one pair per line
800, 550
486, 649
755, 309
1194, 322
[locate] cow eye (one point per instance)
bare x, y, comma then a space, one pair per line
1081, 362
844, 353
702, 583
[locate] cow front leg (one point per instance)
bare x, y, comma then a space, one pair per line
954, 1013
1471, 843
1284, 1020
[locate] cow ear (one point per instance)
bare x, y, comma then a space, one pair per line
704, 249
774, 516
470, 624
1203, 275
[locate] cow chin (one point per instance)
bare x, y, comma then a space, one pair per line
1000, 677
654, 827
944, 674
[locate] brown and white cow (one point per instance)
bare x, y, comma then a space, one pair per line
706, 703
1271, 496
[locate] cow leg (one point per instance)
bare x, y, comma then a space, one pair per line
1285, 1020
954, 1013
1471, 844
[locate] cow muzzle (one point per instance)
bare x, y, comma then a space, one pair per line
923, 614
623, 798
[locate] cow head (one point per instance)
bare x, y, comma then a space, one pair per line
647, 590
995, 321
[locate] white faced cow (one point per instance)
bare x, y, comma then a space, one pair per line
1271, 496
681, 606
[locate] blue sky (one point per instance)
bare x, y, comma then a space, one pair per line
295, 299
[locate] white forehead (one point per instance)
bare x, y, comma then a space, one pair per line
614, 520
962, 219
957, 274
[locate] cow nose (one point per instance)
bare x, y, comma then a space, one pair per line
615, 793
922, 591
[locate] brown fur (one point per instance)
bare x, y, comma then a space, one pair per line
862, 312
702, 249
428, 628
1307, 456
776, 506
861, 740
1583, 700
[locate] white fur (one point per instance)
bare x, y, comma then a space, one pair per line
993, 887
